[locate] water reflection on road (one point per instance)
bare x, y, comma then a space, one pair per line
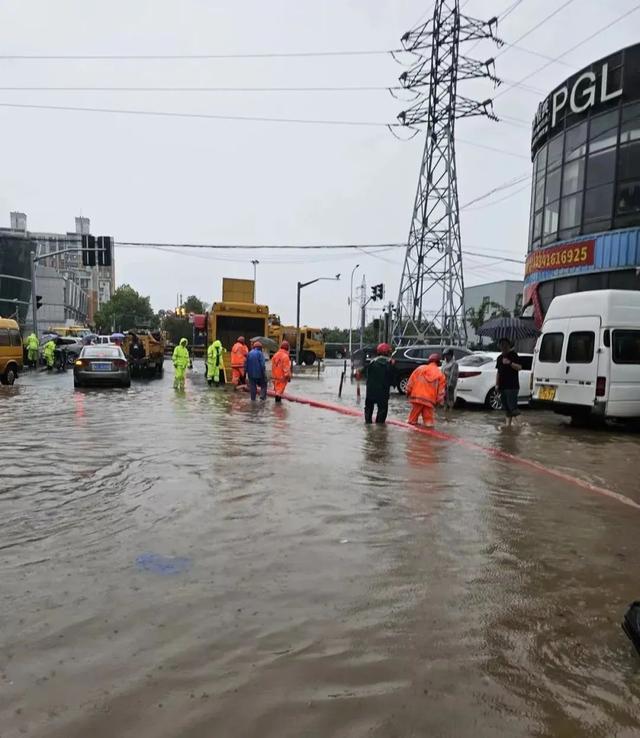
193, 565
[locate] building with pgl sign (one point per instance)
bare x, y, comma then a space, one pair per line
584, 230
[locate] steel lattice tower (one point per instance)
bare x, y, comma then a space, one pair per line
430, 304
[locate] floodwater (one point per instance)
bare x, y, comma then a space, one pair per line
192, 566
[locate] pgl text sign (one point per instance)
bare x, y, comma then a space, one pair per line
589, 89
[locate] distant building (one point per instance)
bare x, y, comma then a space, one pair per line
70, 291
506, 293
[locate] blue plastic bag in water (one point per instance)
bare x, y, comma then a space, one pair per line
159, 564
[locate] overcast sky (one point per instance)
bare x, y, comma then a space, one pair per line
161, 179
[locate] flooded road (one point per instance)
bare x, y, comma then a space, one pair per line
189, 565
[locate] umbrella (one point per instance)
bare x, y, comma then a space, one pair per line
267, 343
511, 328
117, 336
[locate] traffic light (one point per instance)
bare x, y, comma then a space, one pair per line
105, 246
88, 250
38, 302
377, 292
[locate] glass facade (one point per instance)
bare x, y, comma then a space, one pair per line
15, 276
586, 179
586, 153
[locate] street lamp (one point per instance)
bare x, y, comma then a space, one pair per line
255, 263
353, 271
301, 285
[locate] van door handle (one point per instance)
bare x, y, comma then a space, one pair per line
567, 371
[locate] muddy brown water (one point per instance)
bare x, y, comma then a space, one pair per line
190, 565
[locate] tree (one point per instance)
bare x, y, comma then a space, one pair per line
125, 310
336, 335
477, 317
195, 305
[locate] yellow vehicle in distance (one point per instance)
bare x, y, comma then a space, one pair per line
74, 331
312, 343
235, 315
11, 353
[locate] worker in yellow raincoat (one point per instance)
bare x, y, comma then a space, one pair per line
181, 361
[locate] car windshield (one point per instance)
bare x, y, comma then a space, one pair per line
475, 360
102, 352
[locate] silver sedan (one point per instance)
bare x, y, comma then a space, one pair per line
100, 365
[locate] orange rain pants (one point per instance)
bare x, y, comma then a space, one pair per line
281, 371
425, 390
426, 411
238, 361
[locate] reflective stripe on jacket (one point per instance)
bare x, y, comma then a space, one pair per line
239, 355
426, 385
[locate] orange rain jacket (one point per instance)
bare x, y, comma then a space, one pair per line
426, 385
281, 370
239, 355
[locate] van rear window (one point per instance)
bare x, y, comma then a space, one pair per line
551, 348
4, 337
626, 347
580, 347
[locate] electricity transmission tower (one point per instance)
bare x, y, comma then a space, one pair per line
430, 305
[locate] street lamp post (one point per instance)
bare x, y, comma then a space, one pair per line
301, 286
353, 271
255, 263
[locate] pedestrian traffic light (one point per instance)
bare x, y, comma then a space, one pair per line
38, 302
105, 246
88, 250
377, 292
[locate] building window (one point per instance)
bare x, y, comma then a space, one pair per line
555, 151
570, 211
604, 131
628, 198
601, 167
630, 126
598, 203
550, 230
553, 186
517, 309
576, 142
573, 176
629, 161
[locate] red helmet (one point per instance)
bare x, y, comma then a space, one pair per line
285, 345
241, 339
435, 359
383, 349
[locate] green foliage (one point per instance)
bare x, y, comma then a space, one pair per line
126, 309
177, 327
194, 304
336, 335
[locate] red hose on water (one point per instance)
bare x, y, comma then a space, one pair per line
496, 453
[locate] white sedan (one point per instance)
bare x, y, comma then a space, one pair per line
477, 379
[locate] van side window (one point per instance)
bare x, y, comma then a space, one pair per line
4, 337
526, 362
551, 348
14, 337
580, 347
626, 347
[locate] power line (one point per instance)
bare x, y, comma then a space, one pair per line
509, 87
509, 10
205, 116
506, 185
537, 25
161, 57
253, 247
357, 88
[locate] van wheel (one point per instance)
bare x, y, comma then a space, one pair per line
309, 358
493, 401
402, 385
10, 375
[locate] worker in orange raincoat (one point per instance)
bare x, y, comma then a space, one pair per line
281, 370
425, 390
238, 361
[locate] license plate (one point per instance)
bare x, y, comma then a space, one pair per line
547, 393
101, 366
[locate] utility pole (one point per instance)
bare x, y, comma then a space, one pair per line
432, 273
363, 309
34, 297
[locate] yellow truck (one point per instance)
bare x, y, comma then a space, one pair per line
235, 315
75, 331
312, 344
146, 354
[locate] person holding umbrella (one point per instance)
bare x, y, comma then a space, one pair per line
507, 382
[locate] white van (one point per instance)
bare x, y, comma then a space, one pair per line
587, 360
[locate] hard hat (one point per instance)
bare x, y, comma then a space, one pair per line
240, 339
285, 345
435, 359
383, 349
257, 344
